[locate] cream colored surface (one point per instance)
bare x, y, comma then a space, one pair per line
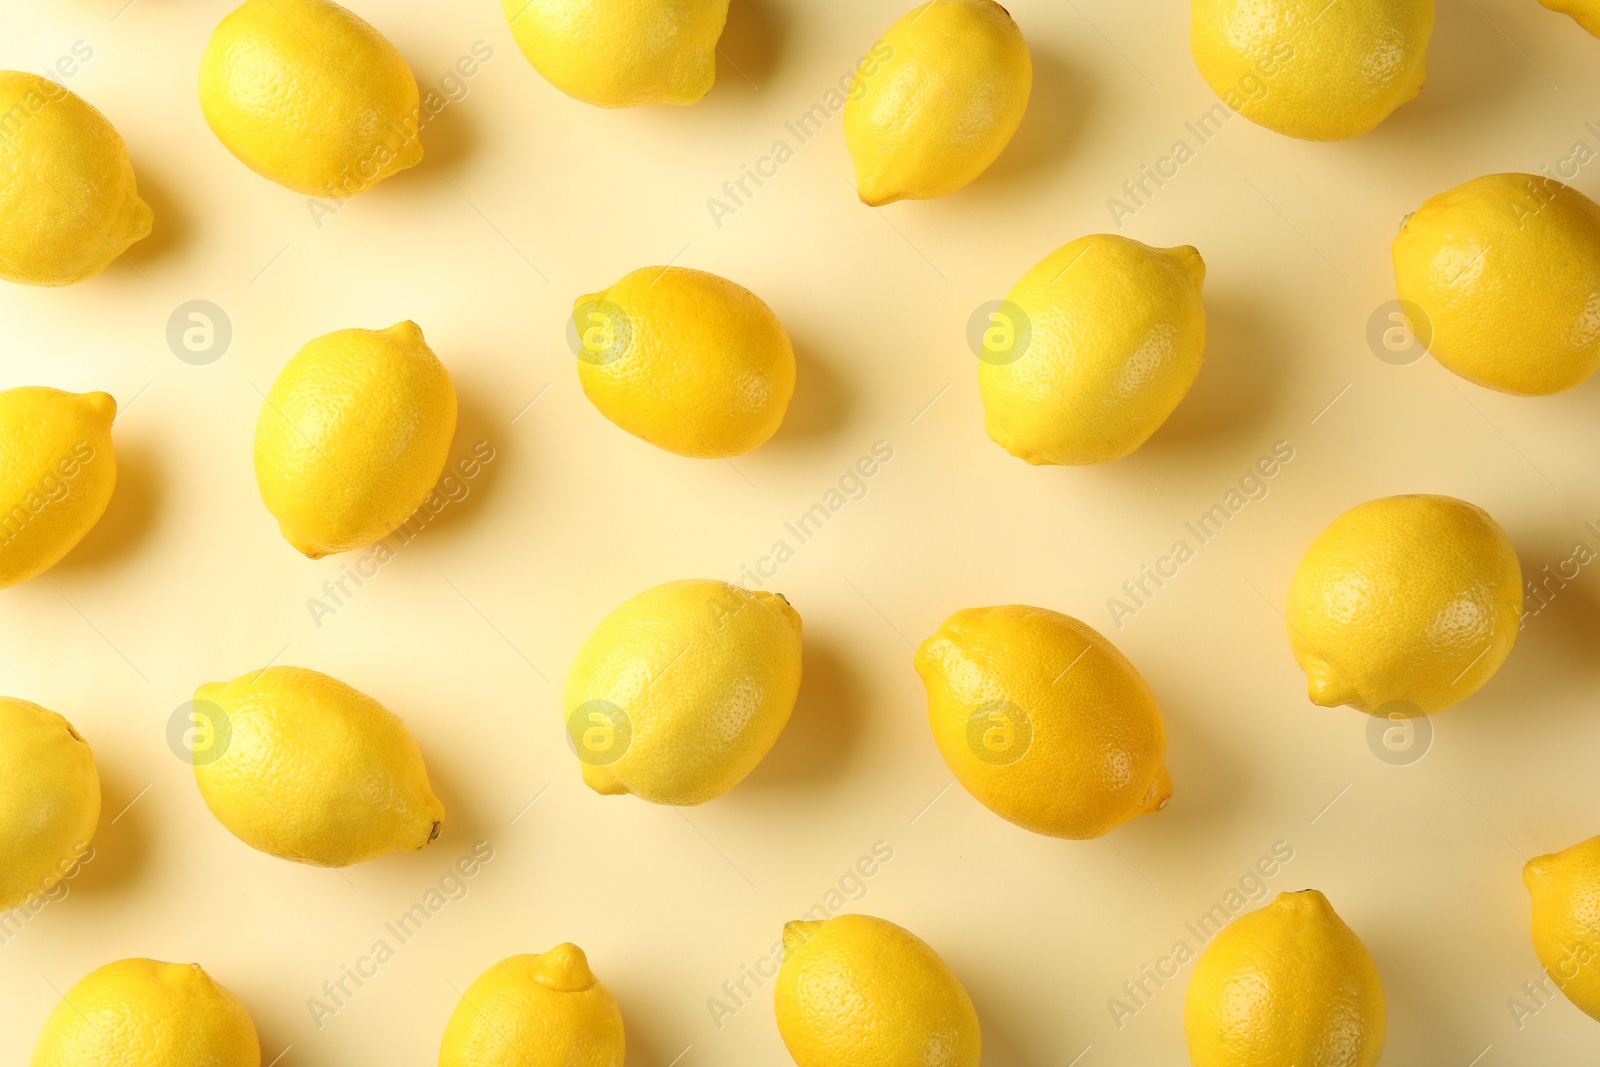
468, 630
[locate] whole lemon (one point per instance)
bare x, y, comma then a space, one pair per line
69, 204
49, 800
305, 768
1585, 13
353, 436
1405, 605
1312, 69
683, 690
857, 991
57, 473
309, 95
145, 1013
622, 53
1288, 984
1506, 271
1043, 720
688, 361
547, 1010
936, 100
1093, 349
1566, 920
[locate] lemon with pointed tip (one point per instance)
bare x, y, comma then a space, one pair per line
1044, 721
936, 100
145, 1013
1287, 984
1405, 605
859, 991
353, 437
49, 800
1093, 349
1585, 13
1565, 888
303, 767
545, 1010
57, 473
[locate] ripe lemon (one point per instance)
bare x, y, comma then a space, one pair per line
49, 800
69, 204
1585, 13
936, 100
1566, 920
1506, 269
1044, 721
57, 473
145, 1013
535, 1011
1309, 68
622, 53
857, 991
305, 768
1093, 349
353, 436
682, 690
1405, 605
1289, 984
686, 360
307, 94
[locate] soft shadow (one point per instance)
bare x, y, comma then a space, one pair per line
170, 228
1210, 782
129, 517
820, 405
825, 726
1058, 112
1461, 87
751, 41
449, 139
120, 848
1557, 640
474, 465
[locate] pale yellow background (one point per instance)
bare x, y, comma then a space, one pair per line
528, 199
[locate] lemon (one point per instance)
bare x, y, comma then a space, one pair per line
622, 53
936, 100
145, 1013
303, 767
1506, 271
858, 991
353, 436
1405, 605
688, 361
1093, 349
1289, 984
49, 800
681, 691
307, 94
1310, 68
69, 204
57, 473
1585, 13
1044, 721
1566, 920
547, 1010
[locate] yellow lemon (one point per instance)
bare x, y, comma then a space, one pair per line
1289, 985
1309, 68
688, 361
857, 991
936, 100
1044, 721
1093, 349
1405, 605
57, 473
622, 53
353, 436
303, 767
49, 800
69, 204
1506, 272
1585, 12
547, 1010
682, 690
145, 1013
1566, 920
307, 94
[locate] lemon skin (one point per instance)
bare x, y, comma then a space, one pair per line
1111, 337
940, 98
69, 202
1506, 268
1288, 984
546, 1010
1585, 13
1405, 605
49, 800
1565, 888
